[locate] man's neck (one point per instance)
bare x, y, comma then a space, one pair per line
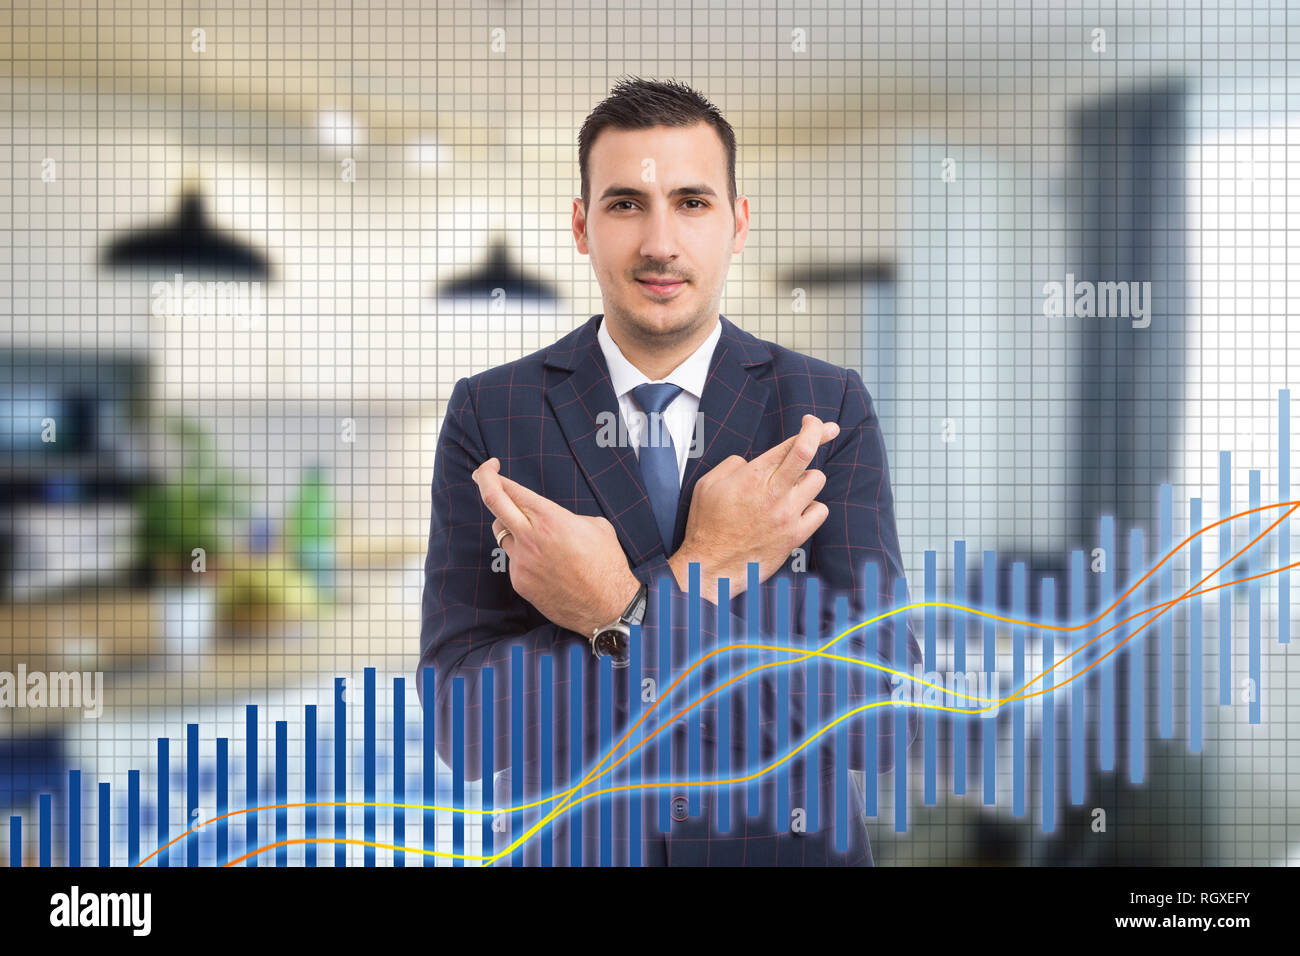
656, 359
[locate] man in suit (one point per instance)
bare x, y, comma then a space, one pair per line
577, 489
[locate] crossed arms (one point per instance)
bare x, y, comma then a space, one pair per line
568, 572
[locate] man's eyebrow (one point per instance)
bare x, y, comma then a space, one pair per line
634, 193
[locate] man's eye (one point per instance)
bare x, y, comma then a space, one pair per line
628, 202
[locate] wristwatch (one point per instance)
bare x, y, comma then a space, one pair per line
612, 640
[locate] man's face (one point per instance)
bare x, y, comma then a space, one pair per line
659, 209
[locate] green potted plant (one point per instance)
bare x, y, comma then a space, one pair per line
197, 510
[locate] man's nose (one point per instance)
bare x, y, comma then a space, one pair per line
659, 241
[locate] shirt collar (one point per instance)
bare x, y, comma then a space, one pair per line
691, 374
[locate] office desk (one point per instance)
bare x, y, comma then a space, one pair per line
164, 648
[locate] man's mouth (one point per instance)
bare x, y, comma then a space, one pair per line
662, 286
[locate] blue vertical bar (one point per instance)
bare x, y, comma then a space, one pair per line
606, 728
931, 716
1225, 575
960, 623
663, 679
487, 755
1018, 756
1078, 700
281, 791
164, 799
517, 748
399, 769
577, 812
989, 595
1124, 632
192, 794
368, 761
105, 826
15, 841
74, 818
341, 768
309, 784
725, 801
547, 835
1253, 594
458, 768
429, 771
1137, 669
1107, 676
45, 823
753, 707
1195, 706
1284, 530
635, 710
693, 684
873, 640
783, 706
1048, 604
251, 840
842, 809
812, 708
900, 712
223, 800
132, 817
1167, 619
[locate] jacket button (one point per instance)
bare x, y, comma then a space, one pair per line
679, 808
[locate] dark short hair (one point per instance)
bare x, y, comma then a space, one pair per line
640, 104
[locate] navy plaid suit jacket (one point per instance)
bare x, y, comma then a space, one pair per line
538, 415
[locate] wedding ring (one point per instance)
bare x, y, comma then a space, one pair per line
501, 534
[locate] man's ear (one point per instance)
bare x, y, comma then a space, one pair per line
580, 219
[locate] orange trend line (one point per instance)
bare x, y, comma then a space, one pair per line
1165, 607
653, 783
570, 800
338, 840
583, 798
596, 771
640, 785
817, 652
1118, 601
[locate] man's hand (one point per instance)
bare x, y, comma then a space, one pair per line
759, 510
568, 566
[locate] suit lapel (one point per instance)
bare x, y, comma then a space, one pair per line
732, 408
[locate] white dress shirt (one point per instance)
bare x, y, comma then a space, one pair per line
680, 415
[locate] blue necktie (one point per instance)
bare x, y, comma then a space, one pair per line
658, 457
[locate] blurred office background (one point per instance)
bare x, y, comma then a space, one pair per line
376, 200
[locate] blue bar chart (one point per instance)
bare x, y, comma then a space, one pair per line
609, 808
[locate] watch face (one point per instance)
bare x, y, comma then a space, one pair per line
612, 644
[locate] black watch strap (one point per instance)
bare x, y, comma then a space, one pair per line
636, 610
611, 639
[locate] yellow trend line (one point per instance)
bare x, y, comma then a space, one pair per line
692, 783
818, 652
597, 772
650, 784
